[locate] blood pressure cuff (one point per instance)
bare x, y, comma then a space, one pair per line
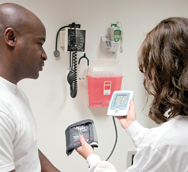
85, 128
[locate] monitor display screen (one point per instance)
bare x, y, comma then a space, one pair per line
121, 100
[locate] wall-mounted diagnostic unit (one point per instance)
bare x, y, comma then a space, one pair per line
68, 37
72, 39
112, 42
115, 33
120, 103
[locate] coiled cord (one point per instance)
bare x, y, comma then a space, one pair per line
74, 85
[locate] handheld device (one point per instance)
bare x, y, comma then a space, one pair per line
119, 103
85, 128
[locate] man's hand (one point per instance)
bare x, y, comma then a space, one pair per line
126, 121
85, 150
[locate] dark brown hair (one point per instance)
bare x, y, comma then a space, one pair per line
163, 58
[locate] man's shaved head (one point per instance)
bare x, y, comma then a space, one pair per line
16, 17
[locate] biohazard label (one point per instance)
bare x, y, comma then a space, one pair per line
107, 87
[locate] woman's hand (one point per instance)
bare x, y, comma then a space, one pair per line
126, 121
85, 150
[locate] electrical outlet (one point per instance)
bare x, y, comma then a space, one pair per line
130, 156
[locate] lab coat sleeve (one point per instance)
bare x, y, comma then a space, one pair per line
96, 165
148, 158
136, 132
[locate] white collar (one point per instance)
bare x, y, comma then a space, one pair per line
8, 85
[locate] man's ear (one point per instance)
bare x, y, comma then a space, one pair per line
10, 37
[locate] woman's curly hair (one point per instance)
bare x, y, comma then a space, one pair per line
163, 58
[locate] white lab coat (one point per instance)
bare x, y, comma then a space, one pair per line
160, 149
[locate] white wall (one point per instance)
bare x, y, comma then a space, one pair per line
49, 96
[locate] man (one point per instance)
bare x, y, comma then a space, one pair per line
22, 36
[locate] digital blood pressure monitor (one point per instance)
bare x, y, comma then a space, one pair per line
119, 103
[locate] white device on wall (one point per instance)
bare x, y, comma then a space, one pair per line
108, 45
120, 103
115, 33
112, 42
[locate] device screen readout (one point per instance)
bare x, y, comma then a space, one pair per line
119, 103
117, 32
121, 100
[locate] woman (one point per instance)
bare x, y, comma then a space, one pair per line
163, 59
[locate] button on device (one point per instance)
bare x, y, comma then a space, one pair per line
117, 110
